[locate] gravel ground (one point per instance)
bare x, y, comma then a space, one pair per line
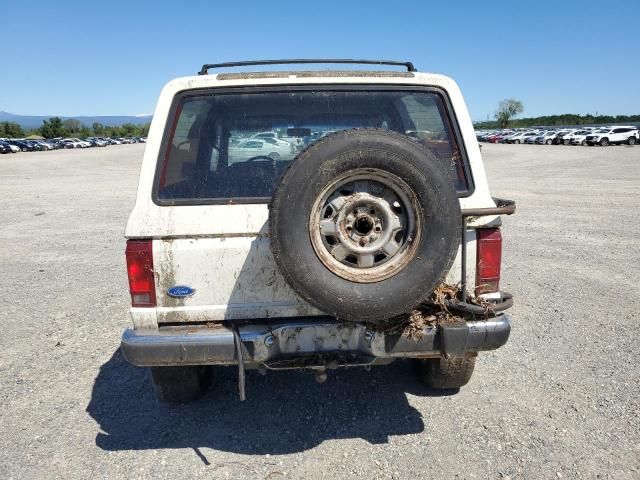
560, 400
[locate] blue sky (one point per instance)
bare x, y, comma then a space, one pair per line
112, 58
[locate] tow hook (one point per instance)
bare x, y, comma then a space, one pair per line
321, 374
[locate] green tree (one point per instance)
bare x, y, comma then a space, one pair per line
565, 120
53, 128
112, 131
98, 128
73, 126
128, 130
11, 130
507, 110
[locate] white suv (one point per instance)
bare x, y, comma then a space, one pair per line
613, 136
356, 248
577, 137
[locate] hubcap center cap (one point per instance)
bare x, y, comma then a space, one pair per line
364, 224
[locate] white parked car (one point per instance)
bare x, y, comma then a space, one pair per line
263, 135
43, 145
519, 137
76, 143
531, 137
613, 136
305, 263
579, 137
265, 147
546, 138
564, 137
14, 148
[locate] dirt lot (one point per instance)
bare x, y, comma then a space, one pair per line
561, 400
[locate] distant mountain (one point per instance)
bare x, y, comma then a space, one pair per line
34, 121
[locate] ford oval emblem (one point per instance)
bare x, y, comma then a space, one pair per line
180, 291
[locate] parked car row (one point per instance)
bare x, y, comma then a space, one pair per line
13, 145
603, 136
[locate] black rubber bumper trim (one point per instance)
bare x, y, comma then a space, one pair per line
268, 342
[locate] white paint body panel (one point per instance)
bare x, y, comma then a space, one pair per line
222, 250
234, 278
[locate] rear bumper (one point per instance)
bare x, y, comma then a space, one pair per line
306, 342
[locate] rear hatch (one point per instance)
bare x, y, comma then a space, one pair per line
223, 152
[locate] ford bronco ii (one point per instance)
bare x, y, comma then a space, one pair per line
291, 219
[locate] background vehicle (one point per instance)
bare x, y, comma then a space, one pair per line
613, 136
546, 138
14, 148
76, 143
263, 135
22, 145
521, 137
558, 137
266, 147
577, 138
531, 137
5, 147
43, 145
552, 135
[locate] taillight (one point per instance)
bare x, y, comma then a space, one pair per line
142, 284
489, 257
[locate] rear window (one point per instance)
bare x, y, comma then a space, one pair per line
234, 147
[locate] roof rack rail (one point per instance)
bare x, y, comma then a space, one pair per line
299, 61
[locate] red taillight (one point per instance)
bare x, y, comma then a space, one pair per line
489, 257
142, 284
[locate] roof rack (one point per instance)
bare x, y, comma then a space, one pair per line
299, 61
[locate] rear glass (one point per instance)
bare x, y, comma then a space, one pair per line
234, 147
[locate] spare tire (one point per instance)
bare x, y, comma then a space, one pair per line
364, 224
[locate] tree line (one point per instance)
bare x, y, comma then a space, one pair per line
559, 120
70, 127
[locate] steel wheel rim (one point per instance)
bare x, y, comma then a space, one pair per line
365, 225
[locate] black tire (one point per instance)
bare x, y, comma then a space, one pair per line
548, 142
566, 142
446, 374
180, 384
604, 142
584, 143
632, 141
363, 297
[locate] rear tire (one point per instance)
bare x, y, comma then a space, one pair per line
632, 141
446, 374
175, 385
517, 141
584, 142
604, 142
548, 142
566, 142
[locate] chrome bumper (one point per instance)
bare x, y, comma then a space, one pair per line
318, 340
